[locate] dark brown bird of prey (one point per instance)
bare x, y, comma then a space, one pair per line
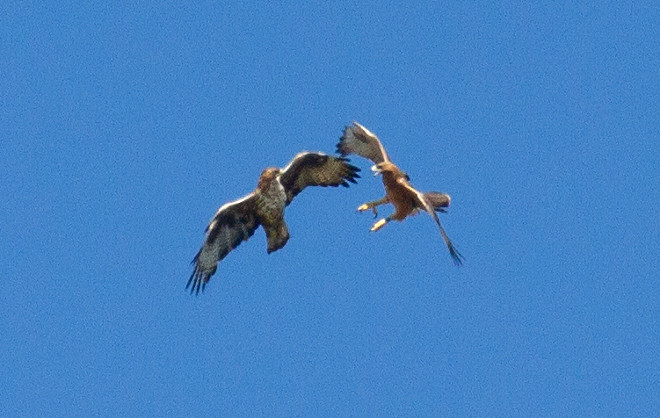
398, 191
236, 221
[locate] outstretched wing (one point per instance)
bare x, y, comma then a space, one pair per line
360, 141
316, 169
232, 224
429, 206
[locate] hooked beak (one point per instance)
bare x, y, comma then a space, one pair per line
376, 170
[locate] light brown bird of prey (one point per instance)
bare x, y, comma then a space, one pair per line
236, 221
398, 191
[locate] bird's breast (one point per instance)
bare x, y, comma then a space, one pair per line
399, 196
270, 203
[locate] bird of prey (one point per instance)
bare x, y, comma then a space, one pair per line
407, 200
236, 221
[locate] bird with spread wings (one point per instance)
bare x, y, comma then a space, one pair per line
236, 221
406, 200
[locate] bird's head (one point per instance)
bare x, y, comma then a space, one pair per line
384, 167
267, 176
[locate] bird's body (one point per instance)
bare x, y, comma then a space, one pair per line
395, 192
270, 201
237, 221
399, 192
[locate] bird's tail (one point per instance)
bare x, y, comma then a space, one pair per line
439, 201
277, 236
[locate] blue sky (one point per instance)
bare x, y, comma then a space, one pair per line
125, 126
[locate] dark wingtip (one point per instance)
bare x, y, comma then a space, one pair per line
190, 280
197, 280
196, 257
340, 146
456, 256
352, 172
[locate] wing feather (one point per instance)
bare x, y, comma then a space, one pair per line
232, 224
316, 169
360, 141
429, 207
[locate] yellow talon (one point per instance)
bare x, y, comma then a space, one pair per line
381, 223
363, 207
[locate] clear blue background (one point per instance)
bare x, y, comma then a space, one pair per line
125, 126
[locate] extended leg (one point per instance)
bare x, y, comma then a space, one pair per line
372, 205
381, 223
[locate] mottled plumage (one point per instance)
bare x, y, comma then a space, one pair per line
236, 221
398, 191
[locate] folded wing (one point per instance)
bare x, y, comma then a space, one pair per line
429, 207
